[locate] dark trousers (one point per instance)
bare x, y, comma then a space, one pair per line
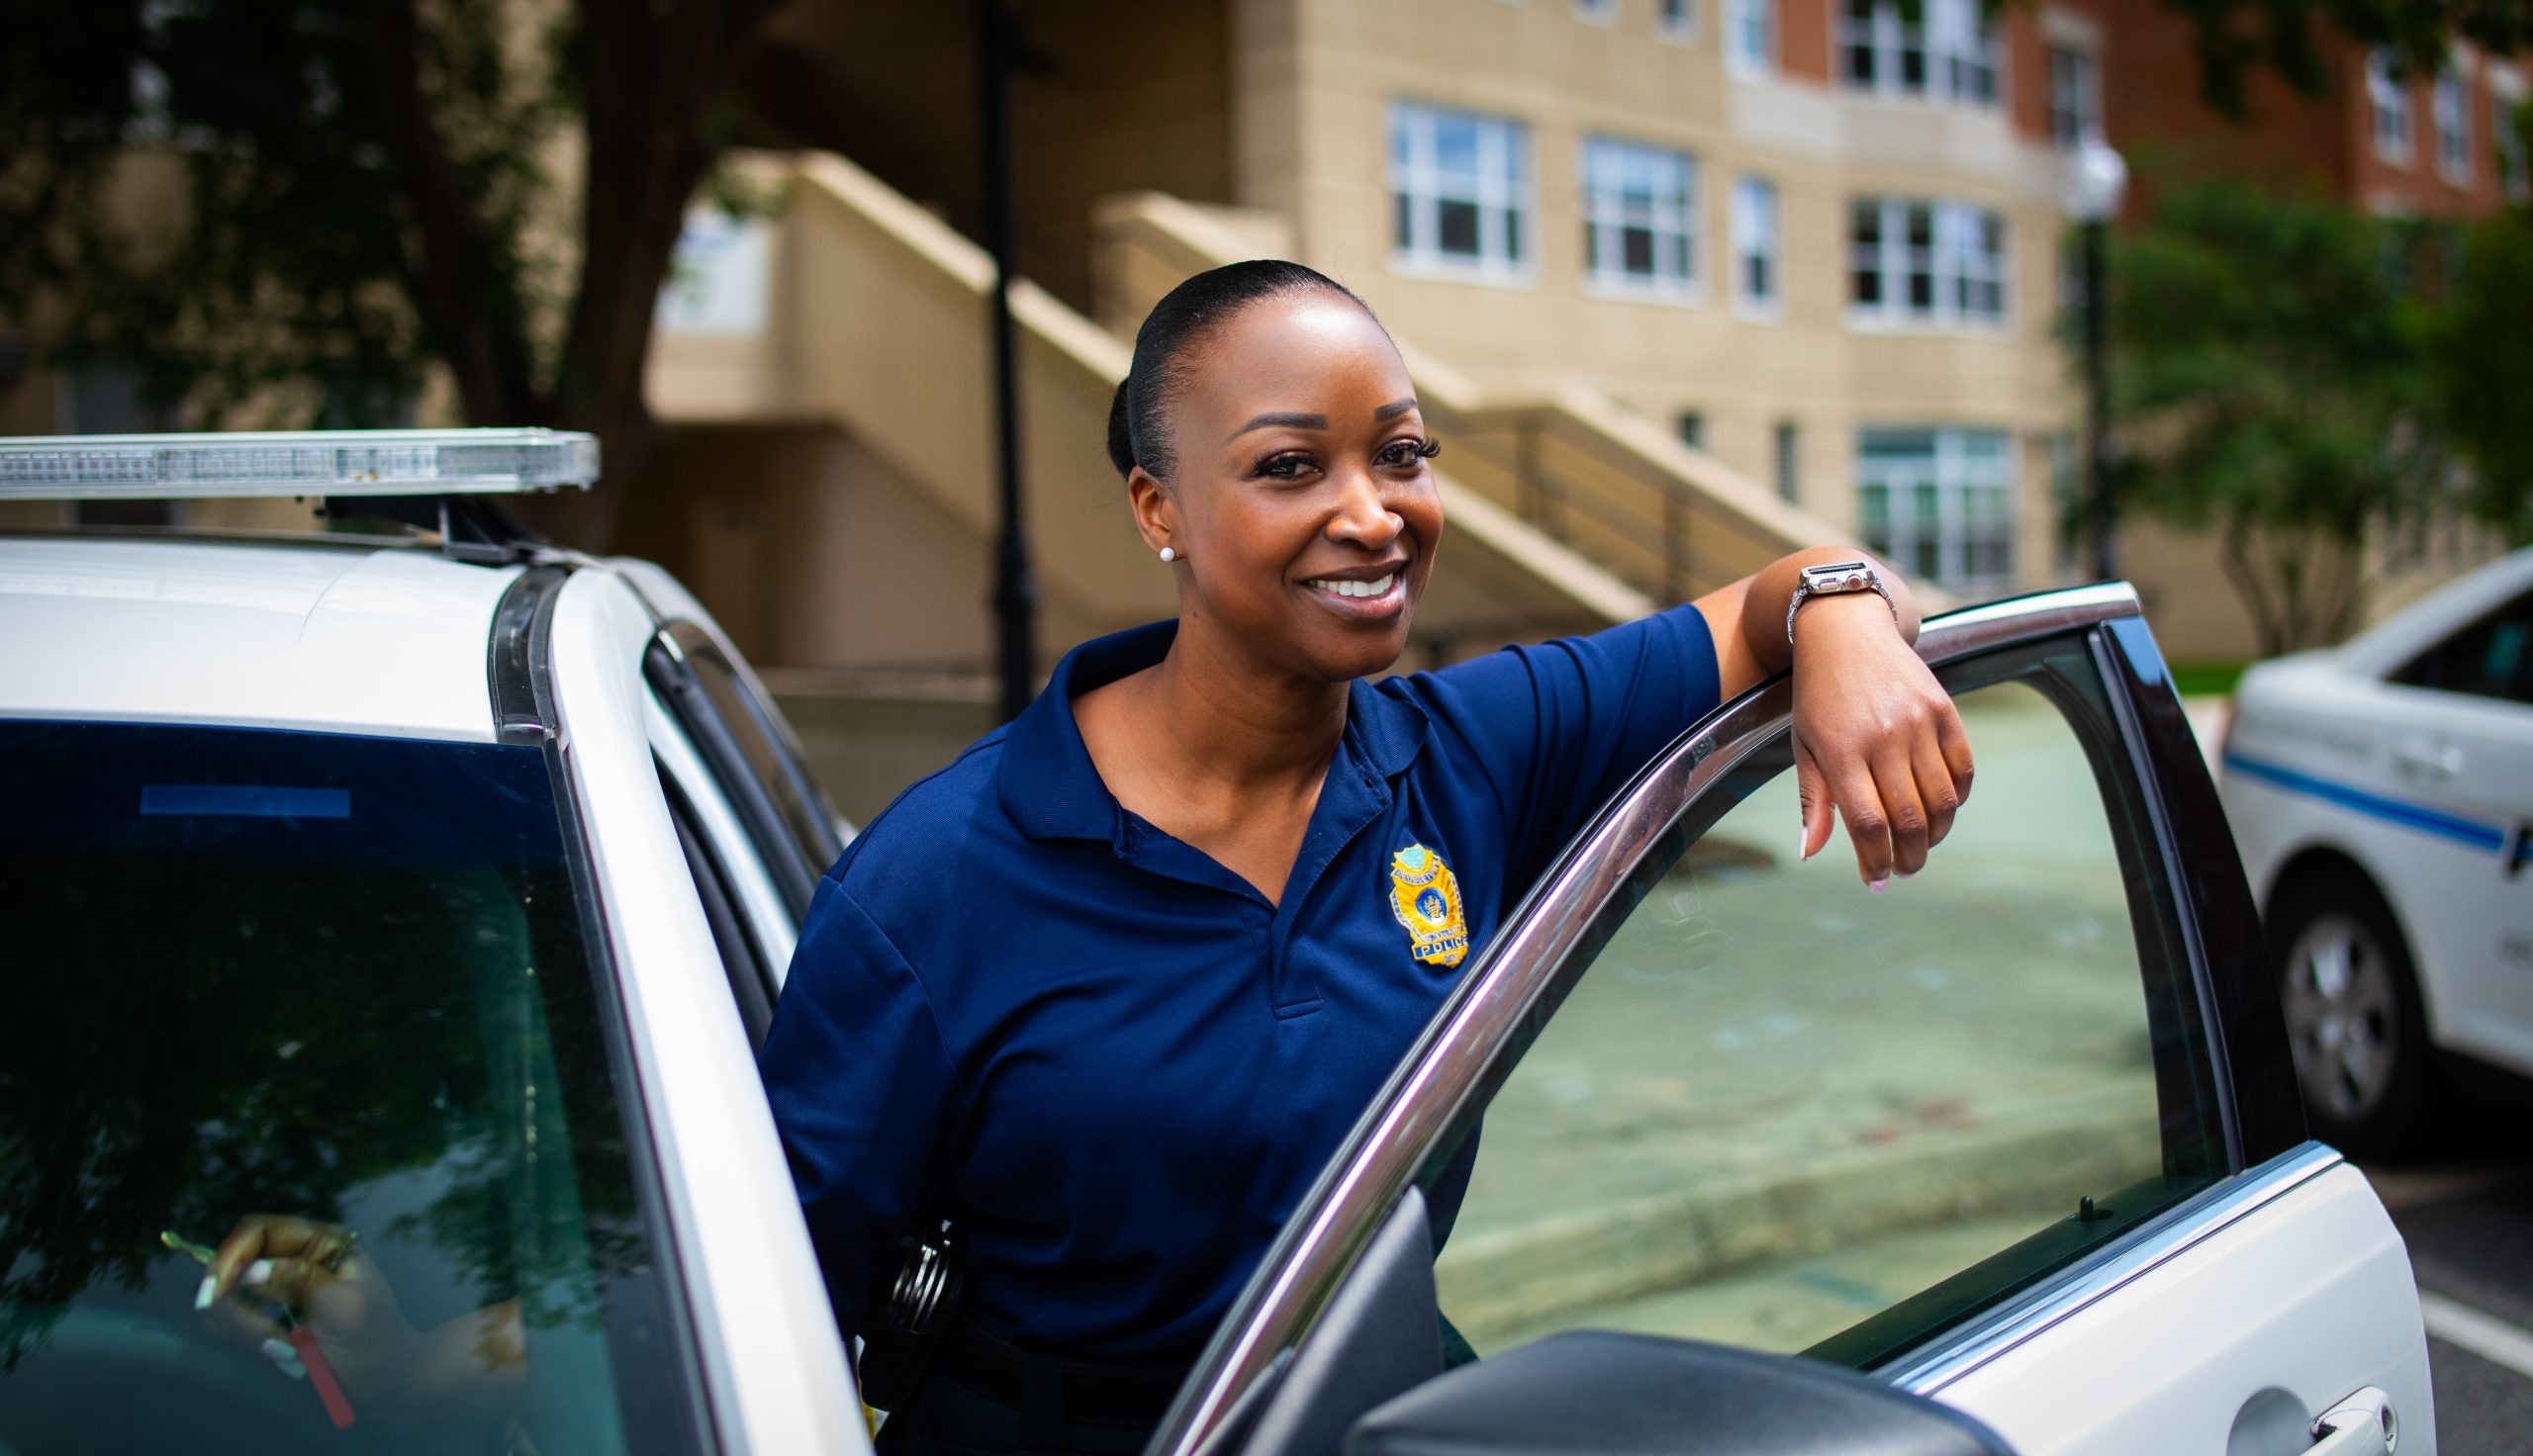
946, 1419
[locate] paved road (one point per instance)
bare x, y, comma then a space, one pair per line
2469, 1221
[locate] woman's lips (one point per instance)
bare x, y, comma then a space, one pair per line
1376, 600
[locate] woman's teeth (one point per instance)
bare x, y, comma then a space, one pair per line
1377, 587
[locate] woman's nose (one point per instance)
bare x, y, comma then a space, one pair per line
1363, 517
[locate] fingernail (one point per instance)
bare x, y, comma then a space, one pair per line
202, 1295
1903, 874
284, 1358
257, 1273
1802, 844
1878, 885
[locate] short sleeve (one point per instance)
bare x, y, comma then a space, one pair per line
1557, 728
865, 1096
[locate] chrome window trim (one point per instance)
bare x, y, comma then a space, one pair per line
1381, 1155
2181, 1229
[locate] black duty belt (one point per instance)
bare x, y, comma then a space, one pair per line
1046, 1389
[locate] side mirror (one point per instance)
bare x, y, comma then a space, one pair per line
1617, 1394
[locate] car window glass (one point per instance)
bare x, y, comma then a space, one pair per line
2492, 658
1781, 1112
696, 797
765, 744
337, 980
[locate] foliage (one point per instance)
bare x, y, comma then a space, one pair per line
2236, 37
2481, 364
2266, 381
372, 187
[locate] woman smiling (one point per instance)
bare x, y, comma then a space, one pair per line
1107, 990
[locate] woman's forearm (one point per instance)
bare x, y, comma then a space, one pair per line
1768, 591
1748, 617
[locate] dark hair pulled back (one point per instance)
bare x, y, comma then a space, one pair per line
1138, 419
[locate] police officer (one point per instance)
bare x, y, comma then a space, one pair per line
1107, 990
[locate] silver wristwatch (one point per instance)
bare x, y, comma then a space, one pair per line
1835, 579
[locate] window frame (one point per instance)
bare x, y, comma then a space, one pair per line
750, 755
1953, 39
1951, 472
1419, 1119
2507, 143
2448, 110
1607, 219
1750, 37
1506, 198
2075, 94
1758, 234
1955, 261
2388, 97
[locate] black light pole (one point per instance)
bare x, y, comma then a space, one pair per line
1015, 591
2097, 507
2096, 180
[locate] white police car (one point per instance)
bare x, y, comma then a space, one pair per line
2383, 795
429, 887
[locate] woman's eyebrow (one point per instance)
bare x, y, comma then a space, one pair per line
1393, 409
1287, 419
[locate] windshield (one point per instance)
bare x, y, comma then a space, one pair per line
322, 1003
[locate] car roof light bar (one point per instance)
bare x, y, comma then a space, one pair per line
296, 463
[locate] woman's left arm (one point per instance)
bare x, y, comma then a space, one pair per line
1874, 732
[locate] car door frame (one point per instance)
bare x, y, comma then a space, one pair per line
1465, 1050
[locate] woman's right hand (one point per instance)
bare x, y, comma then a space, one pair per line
315, 1270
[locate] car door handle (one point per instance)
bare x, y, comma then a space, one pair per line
2421, 757
2361, 1425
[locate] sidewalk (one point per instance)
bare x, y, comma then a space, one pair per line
1777, 1104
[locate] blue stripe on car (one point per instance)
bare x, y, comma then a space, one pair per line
2486, 837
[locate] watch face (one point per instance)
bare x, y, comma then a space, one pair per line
1844, 576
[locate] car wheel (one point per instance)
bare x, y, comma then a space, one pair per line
2354, 1017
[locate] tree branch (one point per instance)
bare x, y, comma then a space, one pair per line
470, 306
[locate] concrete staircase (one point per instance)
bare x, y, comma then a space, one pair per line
1567, 513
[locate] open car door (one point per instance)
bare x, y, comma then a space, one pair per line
2009, 1159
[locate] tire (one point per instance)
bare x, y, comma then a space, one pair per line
2349, 992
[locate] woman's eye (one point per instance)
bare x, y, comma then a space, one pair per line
1404, 454
1288, 467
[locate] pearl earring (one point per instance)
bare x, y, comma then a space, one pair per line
1169, 554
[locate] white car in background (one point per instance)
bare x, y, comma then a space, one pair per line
2383, 795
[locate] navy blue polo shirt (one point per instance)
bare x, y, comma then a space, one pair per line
1111, 1060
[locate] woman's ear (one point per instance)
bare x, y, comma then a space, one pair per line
1155, 512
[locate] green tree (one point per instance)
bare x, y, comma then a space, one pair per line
372, 187
2480, 354
2236, 37
2268, 383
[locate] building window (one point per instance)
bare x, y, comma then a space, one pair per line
2075, 95
2392, 104
1460, 190
1751, 33
1597, 12
2507, 130
1693, 428
1939, 502
1640, 216
1913, 261
1789, 461
1757, 285
1952, 55
2450, 107
1677, 20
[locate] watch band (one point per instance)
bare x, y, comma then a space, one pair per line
1835, 579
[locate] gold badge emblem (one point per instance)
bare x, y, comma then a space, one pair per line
1426, 897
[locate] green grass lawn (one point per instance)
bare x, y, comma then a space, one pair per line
2197, 680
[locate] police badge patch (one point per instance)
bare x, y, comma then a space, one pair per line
1426, 897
